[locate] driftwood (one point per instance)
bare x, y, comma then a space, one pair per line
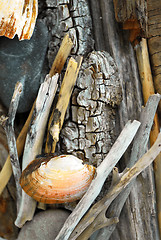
115, 40
35, 135
96, 216
138, 149
8, 124
148, 89
6, 171
8, 209
34, 140
102, 172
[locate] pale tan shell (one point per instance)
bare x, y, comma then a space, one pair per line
60, 179
18, 17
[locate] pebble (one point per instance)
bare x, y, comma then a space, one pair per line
45, 225
22, 61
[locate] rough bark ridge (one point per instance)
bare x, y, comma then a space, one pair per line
97, 94
72, 17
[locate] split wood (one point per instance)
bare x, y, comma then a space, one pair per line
8, 124
116, 152
34, 141
61, 56
57, 117
57, 67
148, 89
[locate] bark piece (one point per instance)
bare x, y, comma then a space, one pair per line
71, 17
94, 104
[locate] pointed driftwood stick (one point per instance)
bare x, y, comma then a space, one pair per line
138, 149
57, 117
148, 89
116, 152
6, 171
8, 124
34, 141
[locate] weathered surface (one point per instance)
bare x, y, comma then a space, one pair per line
131, 10
135, 211
72, 17
97, 94
154, 42
7, 203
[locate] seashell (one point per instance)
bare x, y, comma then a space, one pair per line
18, 17
57, 179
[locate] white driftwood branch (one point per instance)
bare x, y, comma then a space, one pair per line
138, 150
11, 139
102, 172
34, 141
97, 211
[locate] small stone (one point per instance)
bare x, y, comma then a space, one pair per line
22, 61
45, 225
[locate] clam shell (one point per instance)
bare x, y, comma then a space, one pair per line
57, 180
18, 17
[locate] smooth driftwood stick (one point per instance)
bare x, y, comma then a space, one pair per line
6, 171
148, 89
11, 139
138, 150
98, 209
102, 172
34, 141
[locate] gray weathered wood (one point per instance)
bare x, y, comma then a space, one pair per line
34, 141
102, 172
138, 149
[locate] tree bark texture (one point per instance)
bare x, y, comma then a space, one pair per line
106, 95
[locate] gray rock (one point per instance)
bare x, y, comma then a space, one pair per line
44, 226
22, 61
